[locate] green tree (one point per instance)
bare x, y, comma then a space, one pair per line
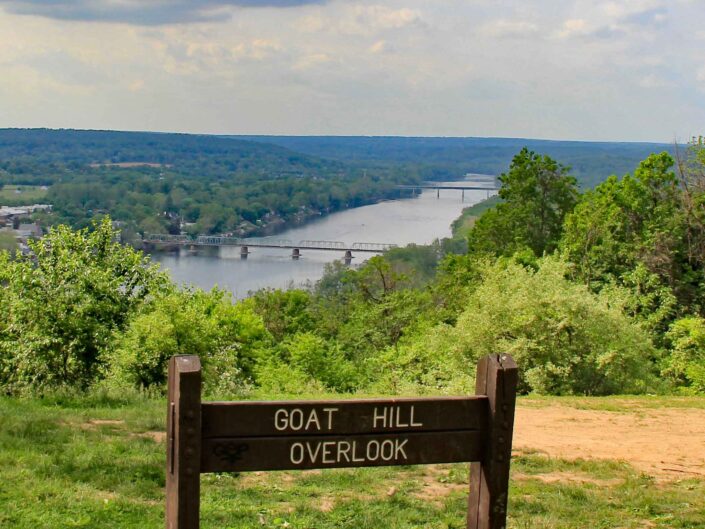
228, 337
62, 306
649, 220
686, 363
284, 313
537, 192
565, 339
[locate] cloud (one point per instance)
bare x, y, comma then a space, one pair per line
142, 12
378, 47
648, 17
311, 61
585, 69
655, 81
701, 76
503, 28
573, 27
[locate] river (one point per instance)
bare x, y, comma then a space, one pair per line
417, 220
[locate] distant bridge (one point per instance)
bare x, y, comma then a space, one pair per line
286, 244
460, 187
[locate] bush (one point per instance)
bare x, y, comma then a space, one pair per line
686, 364
62, 306
322, 361
228, 338
565, 339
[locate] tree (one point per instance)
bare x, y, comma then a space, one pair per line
228, 338
565, 339
537, 193
686, 364
62, 306
643, 220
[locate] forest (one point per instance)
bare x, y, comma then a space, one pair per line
593, 292
449, 158
161, 183
252, 185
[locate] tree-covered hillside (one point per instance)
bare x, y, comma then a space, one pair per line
592, 293
169, 182
438, 158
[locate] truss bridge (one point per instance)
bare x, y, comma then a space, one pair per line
245, 245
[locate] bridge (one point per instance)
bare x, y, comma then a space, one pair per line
472, 186
286, 244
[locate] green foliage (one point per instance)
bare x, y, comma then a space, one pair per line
686, 363
626, 221
321, 360
62, 306
157, 182
86, 310
462, 226
565, 339
284, 312
644, 234
451, 158
537, 193
228, 338
369, 309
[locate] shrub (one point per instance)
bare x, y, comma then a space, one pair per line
228, 338
565, 339
62, 306
322, 361
686, 363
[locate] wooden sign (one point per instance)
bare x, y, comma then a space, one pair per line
296, 435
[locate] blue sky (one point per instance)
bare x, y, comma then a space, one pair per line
631, 70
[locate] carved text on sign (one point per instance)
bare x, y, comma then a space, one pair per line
297, 419
336, 452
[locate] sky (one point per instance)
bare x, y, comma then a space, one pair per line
623, 70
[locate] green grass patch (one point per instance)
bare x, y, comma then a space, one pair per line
463, 224
21, 195
99, 462
617, 404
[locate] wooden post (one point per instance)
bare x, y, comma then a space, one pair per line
489, 478
183, 443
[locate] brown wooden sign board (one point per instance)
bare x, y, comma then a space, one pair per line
295, 435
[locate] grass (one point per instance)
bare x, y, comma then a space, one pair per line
28, 194
463, 224
616, 404
92, 462
8, 242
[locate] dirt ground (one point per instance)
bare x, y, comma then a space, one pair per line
668, 443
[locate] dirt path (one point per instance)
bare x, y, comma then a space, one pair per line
667, 442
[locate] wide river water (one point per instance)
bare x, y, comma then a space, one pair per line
417, 220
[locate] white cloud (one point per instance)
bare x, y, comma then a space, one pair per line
136, 85
311, 61
701, 76
385, 18
363, 20
655, 81
628, 69
378, 47
504, 28
573, 27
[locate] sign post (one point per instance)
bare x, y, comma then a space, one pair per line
296, 435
